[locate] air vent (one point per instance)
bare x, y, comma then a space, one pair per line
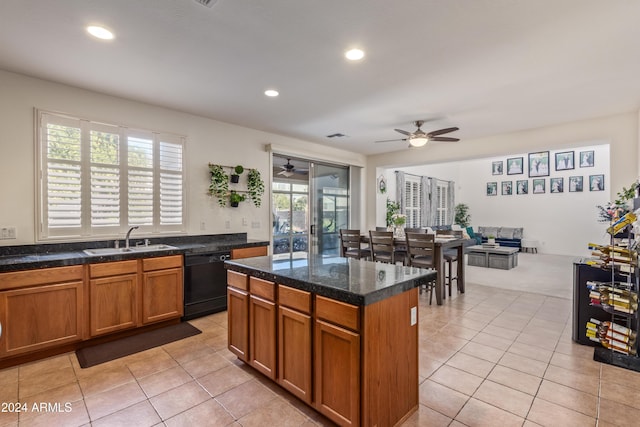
336, 135
208, 3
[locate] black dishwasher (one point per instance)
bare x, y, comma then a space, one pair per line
205, 284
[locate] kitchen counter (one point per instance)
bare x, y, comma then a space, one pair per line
27, 257
349, 280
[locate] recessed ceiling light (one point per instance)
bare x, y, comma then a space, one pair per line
271, 92
354, 54
100, 32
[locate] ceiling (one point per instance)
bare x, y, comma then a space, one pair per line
486, 66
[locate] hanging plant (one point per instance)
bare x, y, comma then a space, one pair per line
219, 186
235, 198
255, 186
235, 177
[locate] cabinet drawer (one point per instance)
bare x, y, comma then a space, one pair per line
113, 268
262, 288
21, 279
248, 252
161, 263
237, 280
337, 312
294, 299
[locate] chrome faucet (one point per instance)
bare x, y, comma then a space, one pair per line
126, 239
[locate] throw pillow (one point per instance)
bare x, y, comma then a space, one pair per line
517, 233
470, 232
505, 233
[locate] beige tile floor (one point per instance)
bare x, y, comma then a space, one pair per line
490, 357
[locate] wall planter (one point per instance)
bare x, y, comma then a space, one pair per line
235, 198
255, 187
219, 186
235, 177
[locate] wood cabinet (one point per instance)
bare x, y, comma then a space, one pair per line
294, 342
238, 314
262, 326
162, 289
113, 296
248, 252
40, 309
337, 361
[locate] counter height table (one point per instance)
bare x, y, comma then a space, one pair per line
340, 334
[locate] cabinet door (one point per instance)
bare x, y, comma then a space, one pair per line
248, 252
114, 303
40, 317
238, 324
262, 333
337, 373
162, 295
294, 352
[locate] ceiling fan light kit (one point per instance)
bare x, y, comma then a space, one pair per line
419, 138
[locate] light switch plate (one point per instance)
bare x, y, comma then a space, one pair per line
414, 316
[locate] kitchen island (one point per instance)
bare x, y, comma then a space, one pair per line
340, 334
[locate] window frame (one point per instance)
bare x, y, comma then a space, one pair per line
86, 229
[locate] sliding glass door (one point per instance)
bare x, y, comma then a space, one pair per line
310, 205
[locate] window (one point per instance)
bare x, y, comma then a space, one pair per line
412, 202
442, 200
99, 179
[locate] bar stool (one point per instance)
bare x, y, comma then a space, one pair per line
450, 256
381, 245
350, 244
420, 253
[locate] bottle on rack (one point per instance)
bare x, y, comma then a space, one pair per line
612, 336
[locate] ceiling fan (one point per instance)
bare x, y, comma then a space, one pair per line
289, 170
418, 138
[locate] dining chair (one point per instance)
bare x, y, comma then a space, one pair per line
382, 229
450, 256
415, 230
351, 244
420, 253
381, 246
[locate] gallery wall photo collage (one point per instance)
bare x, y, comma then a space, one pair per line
539, 178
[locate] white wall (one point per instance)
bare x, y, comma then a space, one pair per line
207, 141
542, 211
545, 217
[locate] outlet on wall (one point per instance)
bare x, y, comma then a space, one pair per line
8, 233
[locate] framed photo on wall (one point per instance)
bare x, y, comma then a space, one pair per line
556, 185
522, 186
507, 188
575, 184
586, 159
492, 188
538, 186
514, 166
564, 161
539, 164
496, 167
596, 182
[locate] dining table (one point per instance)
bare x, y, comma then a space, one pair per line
441, 244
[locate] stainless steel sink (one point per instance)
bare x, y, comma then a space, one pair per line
132, 249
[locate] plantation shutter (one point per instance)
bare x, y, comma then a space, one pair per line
171, 182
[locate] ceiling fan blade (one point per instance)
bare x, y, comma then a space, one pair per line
404, 132
391, 140
444, 138
442, 131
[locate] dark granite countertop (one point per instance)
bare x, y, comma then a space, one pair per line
348, 280
29, 257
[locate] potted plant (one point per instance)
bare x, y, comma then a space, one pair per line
219, 186
255, 186
235, 177
462, 215
491, 239
235, 198
392, 209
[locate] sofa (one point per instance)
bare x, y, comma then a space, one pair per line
505, 236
